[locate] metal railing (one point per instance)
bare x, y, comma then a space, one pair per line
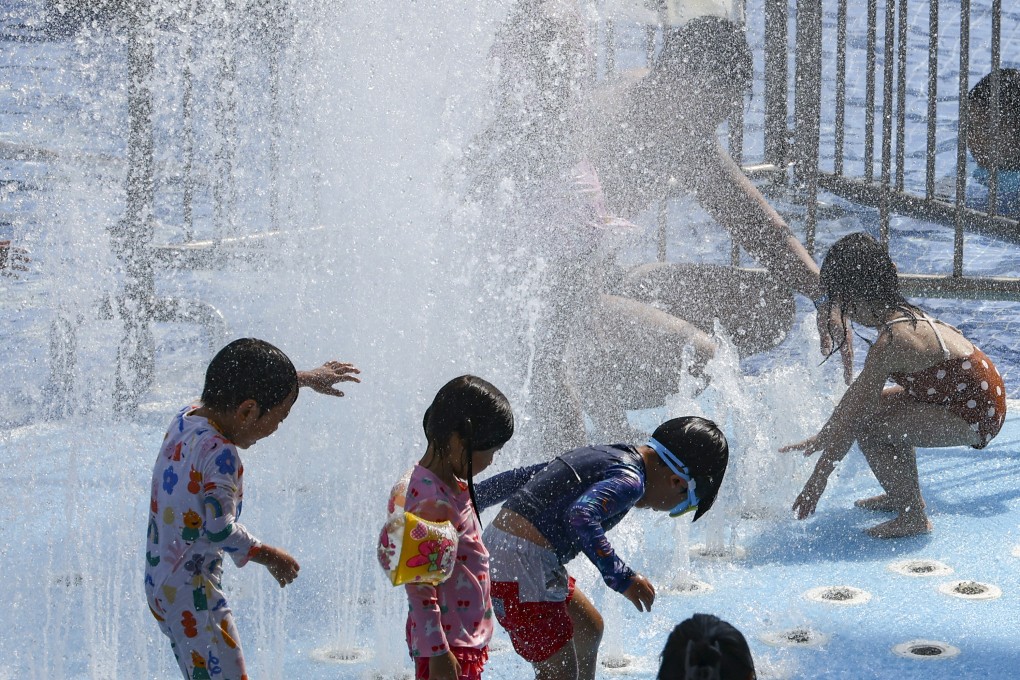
211, 37
890, 193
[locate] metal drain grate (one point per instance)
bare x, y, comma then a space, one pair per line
846, 595
971, 590
722, 554
921, 568
795, 637
688, 587
616, 662
925, 650
342, 655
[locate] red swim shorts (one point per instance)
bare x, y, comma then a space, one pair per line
537, 629
471, 660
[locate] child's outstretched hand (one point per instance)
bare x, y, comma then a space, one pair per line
280, 564
641, 592
323, 378
444, 667
807, 501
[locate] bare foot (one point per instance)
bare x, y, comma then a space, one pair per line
880, 503
901, 527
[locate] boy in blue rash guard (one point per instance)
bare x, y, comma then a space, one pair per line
555, 510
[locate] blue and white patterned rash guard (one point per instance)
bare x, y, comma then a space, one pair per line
573, 500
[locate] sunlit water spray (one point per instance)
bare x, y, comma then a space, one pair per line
759, 413
390, 284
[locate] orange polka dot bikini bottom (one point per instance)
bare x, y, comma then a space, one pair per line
970, 387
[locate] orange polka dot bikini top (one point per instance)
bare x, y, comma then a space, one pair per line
949, 380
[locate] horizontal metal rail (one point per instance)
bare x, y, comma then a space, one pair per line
212, 253
933, 210
950, 287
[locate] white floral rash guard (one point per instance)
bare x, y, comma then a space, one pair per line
196, 499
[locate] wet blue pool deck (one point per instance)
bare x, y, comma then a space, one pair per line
974, 502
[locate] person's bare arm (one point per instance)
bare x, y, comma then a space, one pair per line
838, 434
279, 562
727, 194
734, 202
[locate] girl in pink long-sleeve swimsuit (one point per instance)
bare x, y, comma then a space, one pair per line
457, 614
449, 625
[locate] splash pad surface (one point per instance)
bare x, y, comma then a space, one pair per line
89, 596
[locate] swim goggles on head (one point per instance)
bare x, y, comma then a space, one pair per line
680, 470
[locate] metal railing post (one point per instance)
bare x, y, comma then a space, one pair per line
885, 180
993, 172
776, 108
610, 44
933, 90
662, 224
132, 236
961, 138
188, 129
869, 92
650, 32
224, 203
838, 141
807, 107
901, 91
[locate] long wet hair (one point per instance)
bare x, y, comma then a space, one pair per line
857, 269
705, 647
474, 409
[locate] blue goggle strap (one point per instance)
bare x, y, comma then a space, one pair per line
679, 469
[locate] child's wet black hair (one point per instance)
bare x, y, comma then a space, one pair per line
1009, 93
477, 411
248, 368
979, 99
700, 445
857, 269
705, 647
713, 49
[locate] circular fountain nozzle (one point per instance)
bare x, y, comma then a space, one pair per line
838, 595
616, 662
921, 568
801, 636
688, 586
725, 553
344, 655
925, 650
971, 590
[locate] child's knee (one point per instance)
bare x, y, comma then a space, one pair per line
588, 626
593, 628
876, 433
